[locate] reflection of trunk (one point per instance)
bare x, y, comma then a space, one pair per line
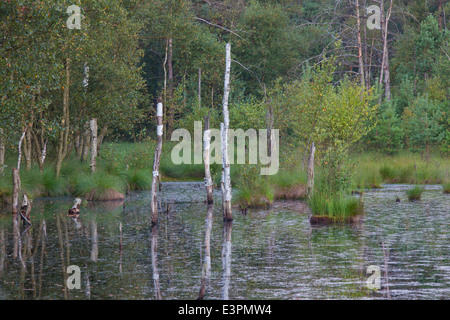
386, 257
156, 161
206, 160
158, 295
226, 258
94, 249
226, 180
61, 254
206, 270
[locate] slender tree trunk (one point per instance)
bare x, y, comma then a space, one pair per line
226, 180
269, 126
27, 148
156, 161
199, 87
15, 190
310, 182
360, 52
206, 161
171, 104
2, 151
101, 136
385, 74
93, 163
86, 142
64, 135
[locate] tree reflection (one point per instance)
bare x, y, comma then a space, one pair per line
226, 258
155, 262
206, 270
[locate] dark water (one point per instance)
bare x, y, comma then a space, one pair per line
267, 254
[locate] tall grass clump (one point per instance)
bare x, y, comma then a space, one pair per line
337, 207
138, 179
289, 184
99, 186
445, 186
253, 190
415, 193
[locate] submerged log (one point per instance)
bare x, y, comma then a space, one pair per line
76, 207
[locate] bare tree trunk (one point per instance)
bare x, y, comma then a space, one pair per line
86, 142
310, 182
199, 87
64, 135
226, 180
206, 161
2, 151
19, 149
156, 161
171, 105
360, 53
385, 74
269, 125
27, 149
93, 163
15, 190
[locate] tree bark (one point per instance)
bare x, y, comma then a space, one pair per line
310, 182
360, 52
93, 162
156, 161
206, 161
64, 135
15, 190
385, 74
2, 151
86, 142
226, 181
171, 104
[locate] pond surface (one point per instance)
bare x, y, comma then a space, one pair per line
267, 254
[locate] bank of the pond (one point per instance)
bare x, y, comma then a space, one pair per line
124, 167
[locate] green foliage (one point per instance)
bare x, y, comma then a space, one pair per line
337, 207
415, 193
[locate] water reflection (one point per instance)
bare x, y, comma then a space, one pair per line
268, 254
206, 270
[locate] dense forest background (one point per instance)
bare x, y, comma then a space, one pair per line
312, 69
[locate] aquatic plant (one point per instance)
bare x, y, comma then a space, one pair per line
415, 193
335, 207
138, 179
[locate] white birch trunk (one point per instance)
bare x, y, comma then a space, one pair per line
93, 163
206, 161
310, 182
156, 161
226, 182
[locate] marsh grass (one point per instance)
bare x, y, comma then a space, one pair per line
289, 184
415, 193
373, 169
99, 186
445, 186
138, 179
337, 207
